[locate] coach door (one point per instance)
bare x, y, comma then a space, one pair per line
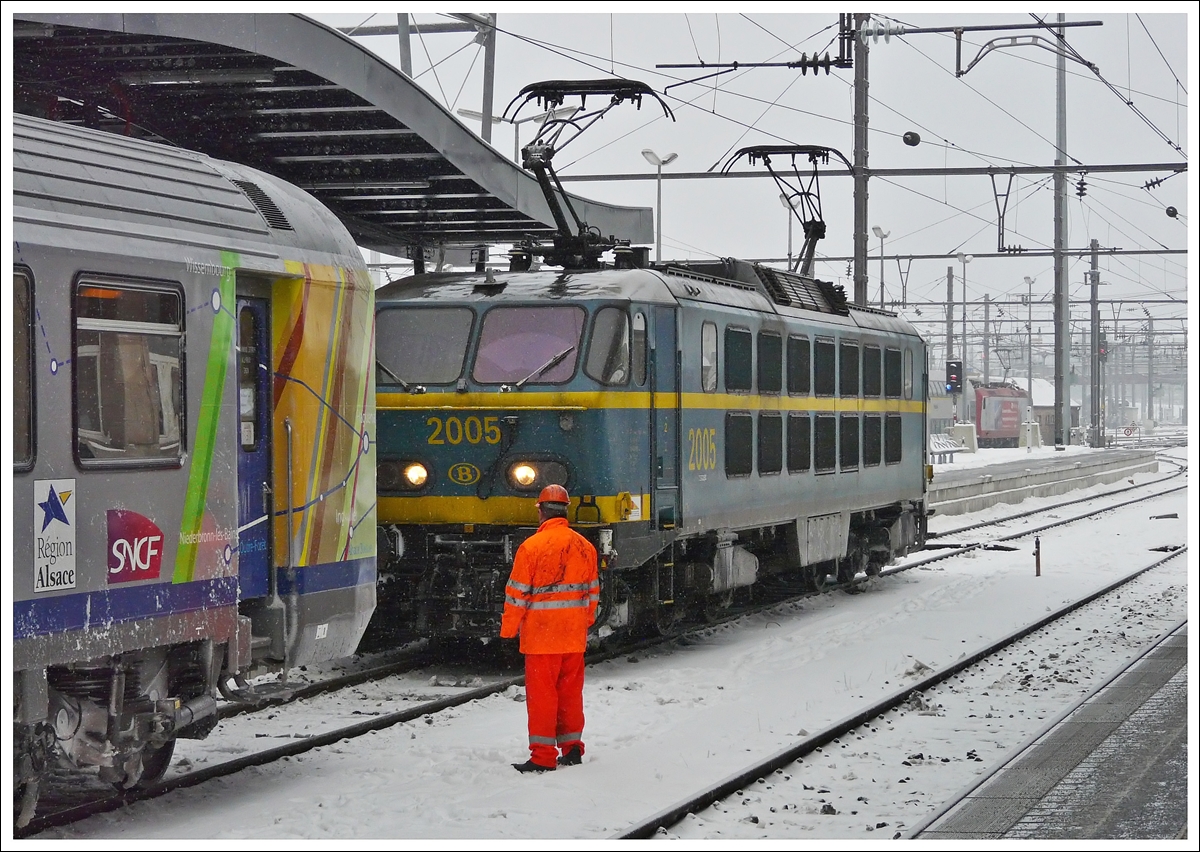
665, 405
254, 446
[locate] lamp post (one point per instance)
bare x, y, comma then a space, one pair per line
882, 234
964, 259
789, 203
658, 162
1029, 357
562, 112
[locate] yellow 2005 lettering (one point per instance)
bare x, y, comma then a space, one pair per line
702, 454
454, 430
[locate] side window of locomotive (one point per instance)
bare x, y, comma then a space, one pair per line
892, 442
639, 349
770, 442
770, 362
908, 374
799, 366
799, 442
848, 370
872, 440
532, 344
739, 443
825, 368
825, 443
849, 441
128, 382
608, 354
708, 357
23, 406
421, 346
892, 385
872, 377
739, 358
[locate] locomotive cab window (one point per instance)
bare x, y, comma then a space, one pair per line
825, 368
128, 382
708, 357
23, 402
799, 366
529, 345
738, 359
608, 355
639, 349
421, 346
770, 362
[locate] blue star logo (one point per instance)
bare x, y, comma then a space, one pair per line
53, 507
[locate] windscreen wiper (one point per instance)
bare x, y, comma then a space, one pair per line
553, 362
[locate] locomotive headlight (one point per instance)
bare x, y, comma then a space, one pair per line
416, 474
523, 473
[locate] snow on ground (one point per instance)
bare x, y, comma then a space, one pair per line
661, 725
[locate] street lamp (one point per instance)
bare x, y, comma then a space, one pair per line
789, 203
1029, 355
882, 234
658, 162
563, 112
964, 259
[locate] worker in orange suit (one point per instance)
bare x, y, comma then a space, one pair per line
550, 601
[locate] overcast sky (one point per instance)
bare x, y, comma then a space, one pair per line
1001, 113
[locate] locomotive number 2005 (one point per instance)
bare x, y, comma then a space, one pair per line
473, 430
703, 452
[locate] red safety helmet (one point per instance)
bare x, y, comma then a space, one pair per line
554, 494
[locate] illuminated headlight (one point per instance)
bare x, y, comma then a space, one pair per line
416, 474
523, 474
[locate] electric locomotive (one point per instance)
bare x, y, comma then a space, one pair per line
715, 423
194, 475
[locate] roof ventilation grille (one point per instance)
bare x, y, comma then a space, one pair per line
265, 205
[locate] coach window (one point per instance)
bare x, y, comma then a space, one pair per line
872, 371
892, 442
770, 362
128, 377
848, 450
799, 442
825, 443
421, 346
799, 366
848, 370
739, 355
23, 405
770, 442
739, 443
639, 348
825, 368
708, 357
908, 374
892, 385
872, 440
608, 355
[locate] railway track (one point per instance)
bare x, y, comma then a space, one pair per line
302, 744
768, 773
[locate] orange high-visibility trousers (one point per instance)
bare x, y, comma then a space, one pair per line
554, 701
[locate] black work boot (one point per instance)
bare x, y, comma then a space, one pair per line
573, 757
530, 766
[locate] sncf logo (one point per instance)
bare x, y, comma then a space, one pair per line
134, 547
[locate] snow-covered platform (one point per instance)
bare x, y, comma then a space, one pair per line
976, 481
1115, 768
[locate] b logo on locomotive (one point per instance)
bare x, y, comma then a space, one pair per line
464, 473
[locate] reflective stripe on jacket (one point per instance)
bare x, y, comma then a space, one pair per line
551, 596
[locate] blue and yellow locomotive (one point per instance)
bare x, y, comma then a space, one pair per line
712, 423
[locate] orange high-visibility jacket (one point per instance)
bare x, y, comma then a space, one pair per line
552, 592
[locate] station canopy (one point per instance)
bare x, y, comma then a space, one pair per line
299, 100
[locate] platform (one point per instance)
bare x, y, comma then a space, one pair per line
1113, 768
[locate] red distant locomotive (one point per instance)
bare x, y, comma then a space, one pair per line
999, 412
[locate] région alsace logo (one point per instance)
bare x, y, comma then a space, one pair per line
54, 537
135, 545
